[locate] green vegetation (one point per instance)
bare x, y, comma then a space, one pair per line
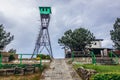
5, 38
110, 76
43, 56
11, 57
12, 51
115, 34
76, 40
100, 68
105, 72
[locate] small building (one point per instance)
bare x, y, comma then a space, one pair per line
95, 46
101, 52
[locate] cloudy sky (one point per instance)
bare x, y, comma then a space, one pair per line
21, 18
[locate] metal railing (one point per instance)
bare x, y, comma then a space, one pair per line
0, 61
20, 64
93, 57
112, 55
72, 55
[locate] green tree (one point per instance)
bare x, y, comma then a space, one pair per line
76, 40
115, 34
5, 38
11, 57
13, 51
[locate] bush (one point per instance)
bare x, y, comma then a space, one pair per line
107, 76
11, 57
42, 56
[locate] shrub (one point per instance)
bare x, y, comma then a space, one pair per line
38, 58
107, 76
43, 56
11, 57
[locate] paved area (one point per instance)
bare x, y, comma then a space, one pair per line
59, 70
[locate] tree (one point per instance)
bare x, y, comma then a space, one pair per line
12, 51
76, 40
115, 34
5, 38
11, 57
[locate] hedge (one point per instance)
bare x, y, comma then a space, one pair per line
107, 76
42, 56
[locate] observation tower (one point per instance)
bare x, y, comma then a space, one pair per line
43, 40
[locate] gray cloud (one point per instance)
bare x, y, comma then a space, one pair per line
21, 18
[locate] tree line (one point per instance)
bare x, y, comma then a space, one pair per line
77, 39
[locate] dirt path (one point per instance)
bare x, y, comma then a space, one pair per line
59, 70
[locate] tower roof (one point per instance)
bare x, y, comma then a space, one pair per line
45, 10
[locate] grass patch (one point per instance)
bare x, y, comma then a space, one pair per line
105, 72
110, 76
100, 68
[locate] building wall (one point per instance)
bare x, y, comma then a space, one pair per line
96, 44
82, 60
5, 59
86, 60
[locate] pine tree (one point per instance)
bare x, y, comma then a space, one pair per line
76, 40
13, 51
115, 34
5, 38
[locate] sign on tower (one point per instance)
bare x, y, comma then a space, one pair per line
45, 10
